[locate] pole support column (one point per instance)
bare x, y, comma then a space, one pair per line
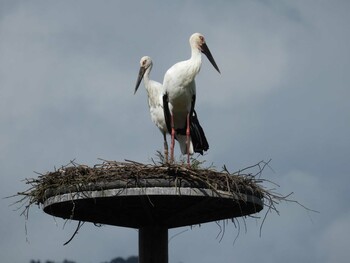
153, 244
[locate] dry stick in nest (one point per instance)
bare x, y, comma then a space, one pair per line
128, 171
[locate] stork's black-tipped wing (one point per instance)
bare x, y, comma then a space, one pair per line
199, 140
166, 111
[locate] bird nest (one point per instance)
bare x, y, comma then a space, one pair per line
78, 178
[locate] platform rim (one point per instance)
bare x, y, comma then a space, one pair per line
150, 191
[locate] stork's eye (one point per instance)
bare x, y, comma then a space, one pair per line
201, 38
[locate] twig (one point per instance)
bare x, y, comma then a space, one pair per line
80, 224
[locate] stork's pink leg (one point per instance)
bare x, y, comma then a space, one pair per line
165, 149
172, 145
188, 139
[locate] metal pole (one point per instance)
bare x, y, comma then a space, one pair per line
153, 244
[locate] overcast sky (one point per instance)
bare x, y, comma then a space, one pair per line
67, 75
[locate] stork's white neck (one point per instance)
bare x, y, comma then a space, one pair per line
195, 61
146, 76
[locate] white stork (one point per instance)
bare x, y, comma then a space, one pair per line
180, 94
155, 101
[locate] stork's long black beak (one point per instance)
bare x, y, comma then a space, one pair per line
139, 78
206, 51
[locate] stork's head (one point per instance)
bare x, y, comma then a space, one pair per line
197, 41
145, 63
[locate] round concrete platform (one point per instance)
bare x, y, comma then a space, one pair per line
151, 205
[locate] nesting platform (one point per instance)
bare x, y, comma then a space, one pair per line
153, 203
150, 198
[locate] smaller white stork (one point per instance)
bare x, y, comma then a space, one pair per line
155, 98
180, 92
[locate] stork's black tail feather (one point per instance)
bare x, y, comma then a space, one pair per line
199, 140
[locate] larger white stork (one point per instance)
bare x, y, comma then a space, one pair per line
180, 93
